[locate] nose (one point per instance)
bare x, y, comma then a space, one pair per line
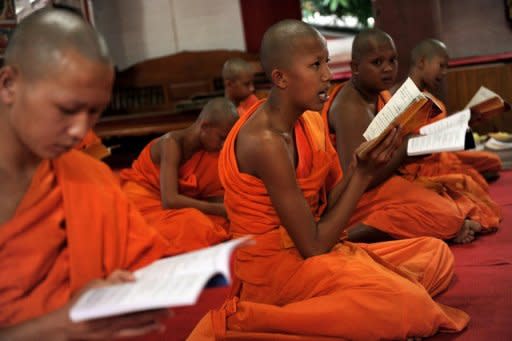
327, 75
79, 125
251, 87
388, 67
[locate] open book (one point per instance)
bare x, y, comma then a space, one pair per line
449, 134
485, 104
168, 282
409, 109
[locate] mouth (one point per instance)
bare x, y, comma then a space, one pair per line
323, 95
387, 80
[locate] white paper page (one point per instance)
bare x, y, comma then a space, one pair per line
459, 119
481, 95
403, 97
173, 281
445, 141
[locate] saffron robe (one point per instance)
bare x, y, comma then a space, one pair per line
412, 206
73, 225
186, 229
91, 144
354, 292
246, 104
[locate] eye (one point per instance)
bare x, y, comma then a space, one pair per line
316, 64
393, 60
377, 62
68, 111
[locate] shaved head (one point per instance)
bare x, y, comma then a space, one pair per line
219, 112
427, 49
234, 67
281, 41
40, 40
367, 40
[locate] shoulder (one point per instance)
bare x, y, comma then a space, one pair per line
81, 168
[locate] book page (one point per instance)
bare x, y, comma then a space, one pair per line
480, 96
406, 95
169, 282
448, 140
458, 119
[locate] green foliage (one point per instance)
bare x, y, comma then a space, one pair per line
361, 9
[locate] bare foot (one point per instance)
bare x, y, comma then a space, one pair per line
467, 232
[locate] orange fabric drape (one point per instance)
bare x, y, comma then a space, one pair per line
73, 225
246, 104
431, 204
186, 229
333, 296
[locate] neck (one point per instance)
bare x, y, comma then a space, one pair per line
191, 140
15, 157
235, 102
283, 115
368, 96
418, 80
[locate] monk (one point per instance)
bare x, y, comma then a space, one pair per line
238, 77
282, 185
175, 182
429, 65
64, 223
393, 205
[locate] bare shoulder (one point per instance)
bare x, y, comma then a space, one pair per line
170, 143
348, 108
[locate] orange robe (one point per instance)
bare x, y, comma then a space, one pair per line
354, 292
186, 229
246, 104
469, 162
91, 144
73, 225
434, 206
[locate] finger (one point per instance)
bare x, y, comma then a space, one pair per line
378, 154
131, 332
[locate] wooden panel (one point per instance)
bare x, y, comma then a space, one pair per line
463, 82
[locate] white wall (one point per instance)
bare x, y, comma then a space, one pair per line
137, 30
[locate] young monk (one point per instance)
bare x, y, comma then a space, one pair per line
394, 205
63, 220
175, 182
280, 174
238, 79
429, 65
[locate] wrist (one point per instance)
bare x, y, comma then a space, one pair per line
361, 177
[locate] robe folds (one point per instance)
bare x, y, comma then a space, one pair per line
434, 205
354, 292
186, 229
73, 225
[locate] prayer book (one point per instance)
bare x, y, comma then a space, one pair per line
169, 282
485, 104
449, 134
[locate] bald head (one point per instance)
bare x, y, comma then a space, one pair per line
219, 112
281, 41
234, 67
367, 40
40, 40
427, 49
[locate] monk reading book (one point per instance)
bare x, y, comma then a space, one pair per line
238, 77
429, 66
485, 104
65, 224
175, 183
392, 204
282, 185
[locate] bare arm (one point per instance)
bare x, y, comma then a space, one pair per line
350, 123
311, 238
57, 326
170, 159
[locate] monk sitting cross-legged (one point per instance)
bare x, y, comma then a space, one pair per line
238, 79
282, 185
429, 64
64, 222
394, 205
175, 184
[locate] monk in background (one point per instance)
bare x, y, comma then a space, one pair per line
282, 185
394, 205
65, 225
429, 65
238, 77
175, 182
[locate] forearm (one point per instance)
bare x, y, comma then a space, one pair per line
45, 327
338, 191
182, 201
333, 223
386, 172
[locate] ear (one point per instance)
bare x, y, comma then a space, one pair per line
421, 63
279, 79
8, 77
354, 67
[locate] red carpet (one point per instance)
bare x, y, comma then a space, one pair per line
482, 286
